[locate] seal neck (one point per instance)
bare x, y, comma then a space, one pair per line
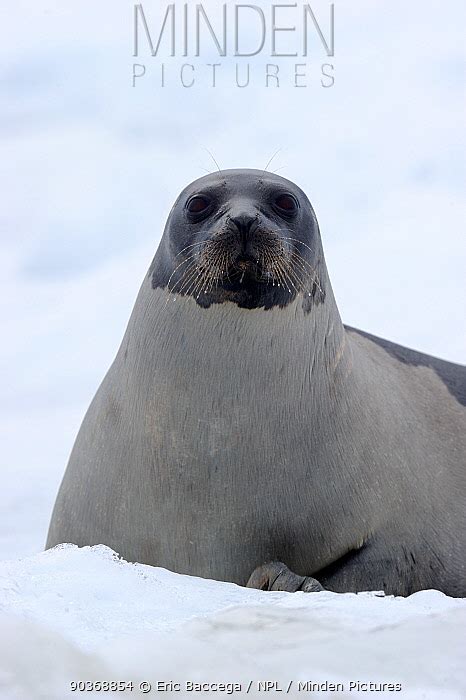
307, 345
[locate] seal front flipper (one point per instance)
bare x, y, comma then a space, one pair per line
276, 576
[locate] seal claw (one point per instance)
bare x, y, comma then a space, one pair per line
276, 576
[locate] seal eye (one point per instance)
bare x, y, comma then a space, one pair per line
286, 203
197, 204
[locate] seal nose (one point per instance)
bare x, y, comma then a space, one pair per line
243, 222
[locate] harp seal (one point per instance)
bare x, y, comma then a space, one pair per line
242, 425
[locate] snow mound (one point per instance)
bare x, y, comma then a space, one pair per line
71, 615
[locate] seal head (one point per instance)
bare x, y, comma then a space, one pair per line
244, 236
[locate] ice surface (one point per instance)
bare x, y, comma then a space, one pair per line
73, 614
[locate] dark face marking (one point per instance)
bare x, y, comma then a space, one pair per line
242, 236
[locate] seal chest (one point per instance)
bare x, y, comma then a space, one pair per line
226, 404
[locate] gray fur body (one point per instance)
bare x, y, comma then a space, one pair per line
223, 437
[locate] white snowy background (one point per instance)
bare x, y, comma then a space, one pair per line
89, 169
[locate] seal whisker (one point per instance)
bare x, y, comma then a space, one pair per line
284, 268
211, 155
191, 288
271, 160
186, 278
205, 270
223, 264
173, 290
192, 245
193, 281
204, 281
292, 275
272, 265
177, 268
302, 264
274, 256
215, 271
200, 273
216, 236
287, 238
314, 280
299, 260
276, 265
184, 281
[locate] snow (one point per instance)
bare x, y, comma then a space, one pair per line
83, 614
